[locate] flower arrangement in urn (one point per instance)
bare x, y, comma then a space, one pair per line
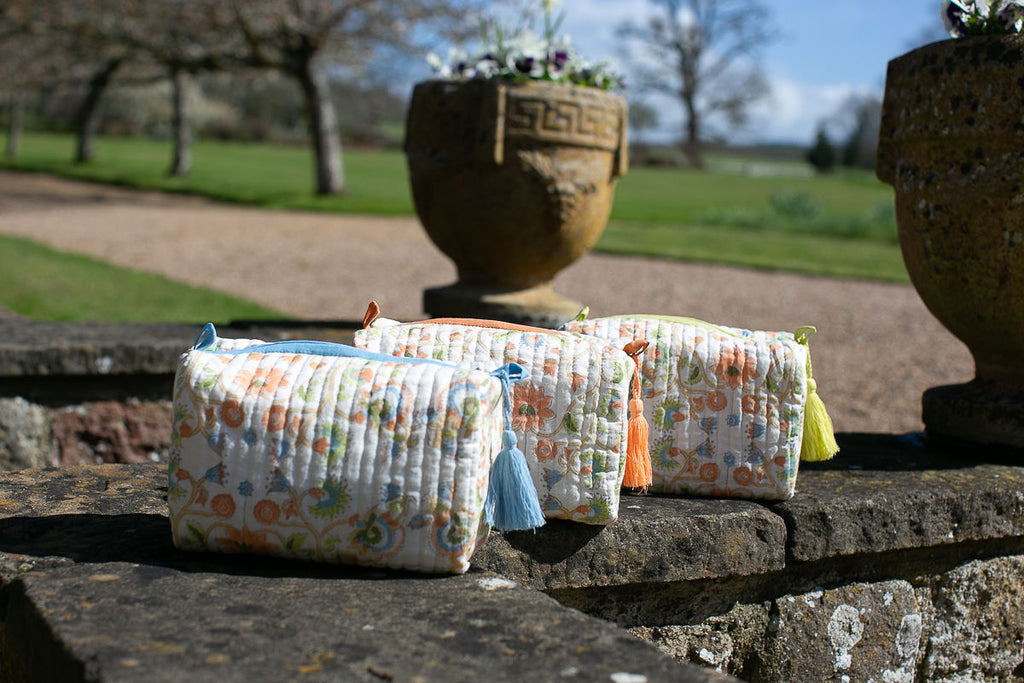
952, 146
513, 154
982, 18
526, 56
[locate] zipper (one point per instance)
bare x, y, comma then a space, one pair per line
306, 347
373, 312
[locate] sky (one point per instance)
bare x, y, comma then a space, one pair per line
825, 51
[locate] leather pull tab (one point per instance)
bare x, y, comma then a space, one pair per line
372, 313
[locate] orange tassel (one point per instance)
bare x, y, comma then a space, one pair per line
638, 474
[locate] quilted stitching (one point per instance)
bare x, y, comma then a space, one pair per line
331, 458
726, 405
570, 415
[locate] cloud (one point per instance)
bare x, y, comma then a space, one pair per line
795, 111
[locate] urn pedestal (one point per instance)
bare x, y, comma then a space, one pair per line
513, 182
952, 146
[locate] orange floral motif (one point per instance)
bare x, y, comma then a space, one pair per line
734, 366
245, 541
751, 404
231, 412
264, 380
274, 419
321, 445
266, 511
743, 476
717, 400
546, 450
708, 471
185, 430
223, 505
530, 407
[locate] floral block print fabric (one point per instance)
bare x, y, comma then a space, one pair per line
726, 405
570, 416
328, 458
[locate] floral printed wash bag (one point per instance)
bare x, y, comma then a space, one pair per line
571, 416
324, 452
732, 411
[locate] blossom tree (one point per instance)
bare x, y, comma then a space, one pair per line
701, 52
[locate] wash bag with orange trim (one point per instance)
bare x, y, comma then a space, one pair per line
572, 415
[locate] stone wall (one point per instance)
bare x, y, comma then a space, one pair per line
894, 562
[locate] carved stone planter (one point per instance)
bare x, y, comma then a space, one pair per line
952, 146
513, 182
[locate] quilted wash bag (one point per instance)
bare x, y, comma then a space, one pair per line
732, 411
570, 416
325, 452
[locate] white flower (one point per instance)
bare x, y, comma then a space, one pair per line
982, 17
1011, 16
526, 56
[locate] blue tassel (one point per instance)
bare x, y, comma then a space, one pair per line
512, 503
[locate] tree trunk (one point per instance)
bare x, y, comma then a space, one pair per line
16, 124
88, 113
691, 144
181, 164
323, 130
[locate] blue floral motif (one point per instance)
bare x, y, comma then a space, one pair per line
245, 488
216, 474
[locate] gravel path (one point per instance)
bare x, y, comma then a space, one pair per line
876, 350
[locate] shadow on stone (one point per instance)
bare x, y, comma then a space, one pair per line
554, 542
910, 452
145, 539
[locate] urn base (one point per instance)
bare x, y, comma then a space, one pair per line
539, 306
978, 412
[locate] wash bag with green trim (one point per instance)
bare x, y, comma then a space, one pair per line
732, 411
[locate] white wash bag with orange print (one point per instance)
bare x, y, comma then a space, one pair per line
572, 415
731, 411
325, 452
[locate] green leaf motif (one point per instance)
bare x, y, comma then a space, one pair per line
334, 502
197, 534
295, 541
570, 423
694, 377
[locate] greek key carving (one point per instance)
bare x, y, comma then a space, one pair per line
563, 121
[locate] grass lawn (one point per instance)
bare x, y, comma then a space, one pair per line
42, 283
841, 225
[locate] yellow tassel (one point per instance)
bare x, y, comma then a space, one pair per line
638, 453
819, 437
638, 474
819, 440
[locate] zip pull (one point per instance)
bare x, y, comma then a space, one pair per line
372, 316
206, 338
638, 472
819, 440
512, 503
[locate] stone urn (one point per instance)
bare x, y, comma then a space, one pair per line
952, 146
513, 182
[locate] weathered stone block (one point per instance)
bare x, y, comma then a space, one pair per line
882, 495
113, 431
656, 539
859, 632
24, 435
977, 623
728, 643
